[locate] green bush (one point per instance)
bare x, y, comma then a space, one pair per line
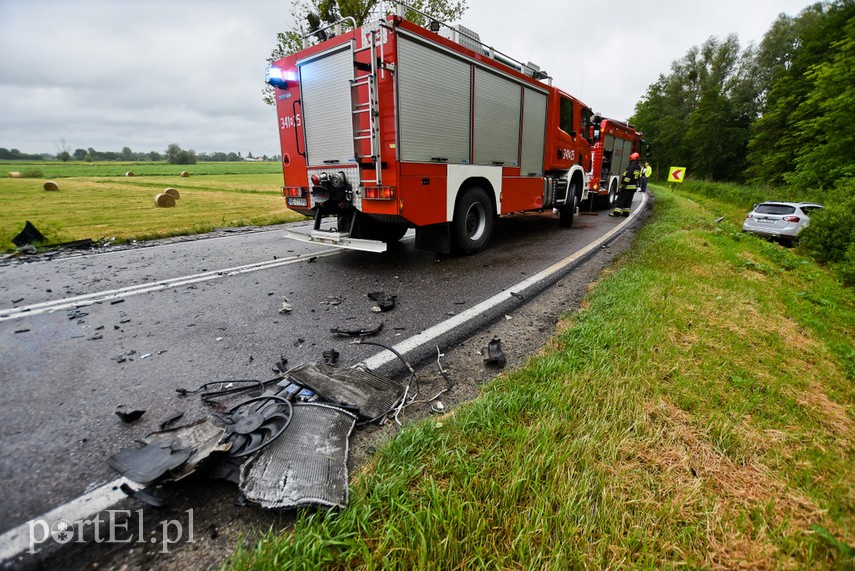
33, 173
830, 238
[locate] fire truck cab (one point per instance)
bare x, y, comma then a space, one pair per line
393, 126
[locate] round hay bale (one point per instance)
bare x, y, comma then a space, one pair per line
129, 173
185, 174
51, 185
164, 201
173, 193
14, 174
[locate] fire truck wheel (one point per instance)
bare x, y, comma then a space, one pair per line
473, 221
612, 198
566, 212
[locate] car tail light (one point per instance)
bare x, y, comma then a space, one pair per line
380, 192
792, 218
293, 191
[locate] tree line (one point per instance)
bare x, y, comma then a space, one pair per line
174, 154
774, 114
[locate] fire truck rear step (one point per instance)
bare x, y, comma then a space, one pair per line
337, 239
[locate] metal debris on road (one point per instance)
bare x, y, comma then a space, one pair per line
129, 416
286, 306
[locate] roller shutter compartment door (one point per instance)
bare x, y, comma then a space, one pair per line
433, 101
326, 103
497, 120
533, 133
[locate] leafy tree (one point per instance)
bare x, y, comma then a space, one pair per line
699, 115
154, 156
828, 119
64, 156
79, 154
793, 51
127, 154
316, 14
175, 155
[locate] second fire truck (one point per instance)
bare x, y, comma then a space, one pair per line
392, 125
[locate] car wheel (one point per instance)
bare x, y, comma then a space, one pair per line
472, 225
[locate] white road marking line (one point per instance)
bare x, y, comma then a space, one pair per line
90, 298
16, 541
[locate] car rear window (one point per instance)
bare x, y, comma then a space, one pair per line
774, 209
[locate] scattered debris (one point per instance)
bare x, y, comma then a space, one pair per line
437, 407
306, 465
21, 330
366, 392
147, 464
286, 306
117, 301
19, 300
145, 356
312, 259
131, 416
357, 331
26, 250
171, 419
384, 302
142, 496
330, 357
281, 365
495, 356
28, 235
332, 300
517, 295
719, 219
255, 423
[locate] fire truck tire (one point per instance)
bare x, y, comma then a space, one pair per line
568, 210
612, 197
473, 222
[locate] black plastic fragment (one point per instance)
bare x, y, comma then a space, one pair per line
147, 464
171, 419
330, 357
495, 356
142, 496
28, 235
281, 365
357, 331
130, 416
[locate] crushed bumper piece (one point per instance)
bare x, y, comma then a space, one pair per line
357, 331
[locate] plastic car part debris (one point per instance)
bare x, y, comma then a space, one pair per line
286, 306
209, 395
142, 496
495, 356
202, 437
384, 302
330, 357
171, 419
357, 331
255, 423
281, 365
307, 465
147, 464
28, 235
129, 416
437, 407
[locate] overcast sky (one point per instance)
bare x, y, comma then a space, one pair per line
146, 73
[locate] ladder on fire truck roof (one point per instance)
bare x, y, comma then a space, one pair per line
369, 107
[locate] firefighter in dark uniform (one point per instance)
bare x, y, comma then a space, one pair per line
628, 186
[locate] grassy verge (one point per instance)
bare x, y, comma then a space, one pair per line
123, 207
698, 411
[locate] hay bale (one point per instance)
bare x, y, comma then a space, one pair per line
164, 201
129, 173
51, 185
14, 174
173, 193
185, 174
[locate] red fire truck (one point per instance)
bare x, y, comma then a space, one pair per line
392, 126
614, 141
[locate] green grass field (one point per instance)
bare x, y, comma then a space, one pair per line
93, 205
698, 412
50, 169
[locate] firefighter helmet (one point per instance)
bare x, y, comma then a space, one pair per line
634, 157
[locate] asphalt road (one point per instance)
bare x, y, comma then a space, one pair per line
84, 336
